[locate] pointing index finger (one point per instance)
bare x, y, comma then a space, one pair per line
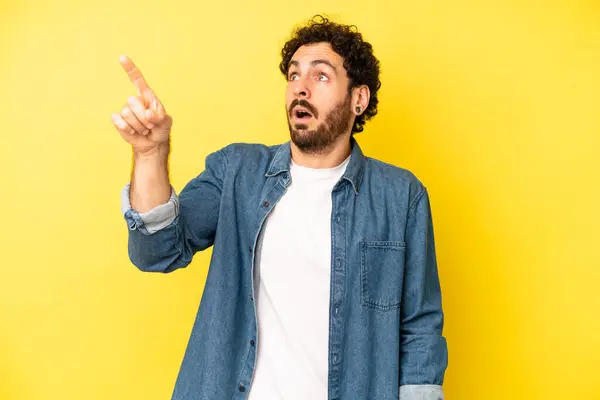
134, 73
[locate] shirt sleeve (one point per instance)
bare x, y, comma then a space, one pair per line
421, 392
153, 220
166, 237
424, 351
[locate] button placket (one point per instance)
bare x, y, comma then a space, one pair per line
338, 278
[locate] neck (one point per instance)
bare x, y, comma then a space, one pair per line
328, 158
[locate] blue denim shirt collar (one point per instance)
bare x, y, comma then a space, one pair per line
353, 174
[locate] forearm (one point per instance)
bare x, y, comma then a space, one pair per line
168, 235
155, 240
150, 185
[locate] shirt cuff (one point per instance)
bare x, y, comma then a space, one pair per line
421, 392
153, 220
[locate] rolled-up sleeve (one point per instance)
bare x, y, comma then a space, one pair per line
423, 349
421, 392
153, 220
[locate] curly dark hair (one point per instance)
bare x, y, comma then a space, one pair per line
361, 65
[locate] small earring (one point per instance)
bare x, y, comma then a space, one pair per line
358, 109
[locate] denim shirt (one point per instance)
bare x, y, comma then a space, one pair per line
386, 319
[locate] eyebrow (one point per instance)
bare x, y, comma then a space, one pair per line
316, 62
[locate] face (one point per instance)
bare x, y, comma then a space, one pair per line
317, 101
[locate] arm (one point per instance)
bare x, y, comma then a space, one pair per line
165, 231
424, 353
150, 184
150, 196
167, 236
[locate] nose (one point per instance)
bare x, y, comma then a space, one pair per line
301, 90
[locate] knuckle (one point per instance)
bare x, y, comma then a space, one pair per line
119, 124
125, 112
135, 102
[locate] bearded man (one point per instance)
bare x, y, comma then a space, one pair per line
323, 282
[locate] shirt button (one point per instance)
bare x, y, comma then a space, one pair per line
251, 342
242, 388
266, 204
337, 309
338, 219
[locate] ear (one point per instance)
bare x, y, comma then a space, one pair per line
361, 96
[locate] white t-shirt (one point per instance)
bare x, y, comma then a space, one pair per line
292, 279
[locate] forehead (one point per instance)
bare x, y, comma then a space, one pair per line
317, 51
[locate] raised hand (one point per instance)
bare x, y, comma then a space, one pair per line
143, 121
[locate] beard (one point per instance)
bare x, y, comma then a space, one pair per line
321, 139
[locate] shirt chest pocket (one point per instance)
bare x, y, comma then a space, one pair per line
382, 274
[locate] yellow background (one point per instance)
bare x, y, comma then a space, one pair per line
495, 105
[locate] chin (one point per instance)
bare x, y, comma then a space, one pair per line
303, 127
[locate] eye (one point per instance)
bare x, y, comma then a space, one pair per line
322, 77
293, 76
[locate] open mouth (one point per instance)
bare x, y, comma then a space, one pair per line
301, 115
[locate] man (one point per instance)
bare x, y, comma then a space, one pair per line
323, 282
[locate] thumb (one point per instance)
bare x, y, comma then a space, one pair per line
150, 116
152, 111
156, 115
153, 116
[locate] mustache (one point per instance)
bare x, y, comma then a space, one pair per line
305, 104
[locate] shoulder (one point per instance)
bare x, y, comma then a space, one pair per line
247, 155
248, 149
398, 180
394, 175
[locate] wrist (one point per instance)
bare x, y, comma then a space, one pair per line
160, 151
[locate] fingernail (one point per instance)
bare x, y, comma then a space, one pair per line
150, 126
